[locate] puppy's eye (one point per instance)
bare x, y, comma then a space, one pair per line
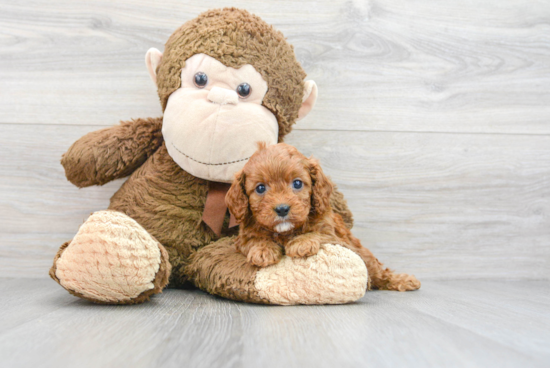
297, 184
200, 79
243, 90
260, 189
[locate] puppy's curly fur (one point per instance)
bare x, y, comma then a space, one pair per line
281, 199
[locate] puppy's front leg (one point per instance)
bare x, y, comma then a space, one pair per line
262, 252
304, 245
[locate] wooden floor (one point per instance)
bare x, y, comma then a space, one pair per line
445, 324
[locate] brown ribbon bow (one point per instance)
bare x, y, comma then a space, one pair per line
215, 207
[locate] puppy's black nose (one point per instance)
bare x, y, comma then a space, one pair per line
282, 210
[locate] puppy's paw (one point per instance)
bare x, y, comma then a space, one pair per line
263, 256
301, 247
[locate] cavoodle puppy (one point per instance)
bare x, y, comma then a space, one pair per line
281, 199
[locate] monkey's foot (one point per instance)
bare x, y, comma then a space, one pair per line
112, 260
335, 275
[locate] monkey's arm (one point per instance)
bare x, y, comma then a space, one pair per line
340, 206
112, 153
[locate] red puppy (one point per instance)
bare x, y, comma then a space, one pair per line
281, 199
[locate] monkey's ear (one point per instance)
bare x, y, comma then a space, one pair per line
308, 101
152, 60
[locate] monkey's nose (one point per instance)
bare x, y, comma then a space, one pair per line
223, 96
282, 210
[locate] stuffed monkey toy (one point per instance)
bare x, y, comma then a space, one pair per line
226, 80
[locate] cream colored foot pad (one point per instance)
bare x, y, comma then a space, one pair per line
111, 259
335, 275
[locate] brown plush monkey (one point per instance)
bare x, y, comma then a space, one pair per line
226, 80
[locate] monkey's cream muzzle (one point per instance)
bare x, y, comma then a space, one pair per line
222, 96
211, 132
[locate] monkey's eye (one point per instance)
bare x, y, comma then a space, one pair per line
243, 90
297, 184
200, 79
260, 189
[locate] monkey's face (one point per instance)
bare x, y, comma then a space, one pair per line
214, 120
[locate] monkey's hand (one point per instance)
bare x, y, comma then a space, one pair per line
112, 153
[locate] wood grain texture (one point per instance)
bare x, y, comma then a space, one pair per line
436, 205
383, 66
445, 324
433, 118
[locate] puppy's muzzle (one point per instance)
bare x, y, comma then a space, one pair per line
282, 210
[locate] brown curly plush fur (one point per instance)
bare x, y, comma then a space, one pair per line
236, 38
235, 280
167, 201
163, 198
112, 153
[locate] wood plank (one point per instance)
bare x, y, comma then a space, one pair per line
436, 205
428, 328
28, 300
399, 66
451, 205
507, 307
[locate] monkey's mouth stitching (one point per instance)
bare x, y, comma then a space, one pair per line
207, 163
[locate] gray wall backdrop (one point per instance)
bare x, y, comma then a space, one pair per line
433, 117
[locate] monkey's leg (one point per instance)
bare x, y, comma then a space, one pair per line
112, 260
335, 275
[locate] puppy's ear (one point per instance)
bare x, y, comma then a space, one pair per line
322, 188
236, 198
